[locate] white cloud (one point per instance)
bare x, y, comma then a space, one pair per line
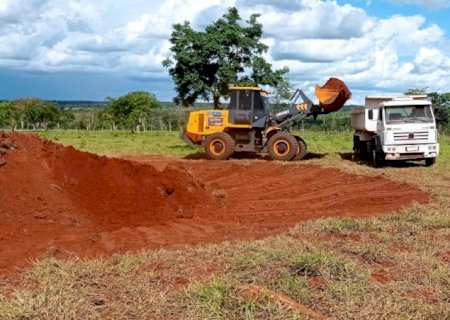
315, 38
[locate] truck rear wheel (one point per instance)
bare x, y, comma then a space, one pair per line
356, 148
283, 146
219, 146
302, 149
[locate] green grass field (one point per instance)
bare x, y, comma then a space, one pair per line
389, 267
169, 143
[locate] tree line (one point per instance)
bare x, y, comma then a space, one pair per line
141, 111
135, 111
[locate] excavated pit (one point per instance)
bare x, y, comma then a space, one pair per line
58, 201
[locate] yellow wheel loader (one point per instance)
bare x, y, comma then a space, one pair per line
247, 125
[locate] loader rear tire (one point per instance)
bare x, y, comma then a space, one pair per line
302, 149
219, 146
283, 146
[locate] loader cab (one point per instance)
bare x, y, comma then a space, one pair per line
249, 105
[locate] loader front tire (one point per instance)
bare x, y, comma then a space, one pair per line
219, 146
283, 146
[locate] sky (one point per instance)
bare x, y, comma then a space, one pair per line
93, 49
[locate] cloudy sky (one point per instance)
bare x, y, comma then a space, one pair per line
91, 49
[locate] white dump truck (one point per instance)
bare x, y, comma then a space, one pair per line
395, 128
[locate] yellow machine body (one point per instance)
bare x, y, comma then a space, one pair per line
205, 122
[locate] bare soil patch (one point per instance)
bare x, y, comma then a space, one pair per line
58, 201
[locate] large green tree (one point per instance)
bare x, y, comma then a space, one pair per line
228, 52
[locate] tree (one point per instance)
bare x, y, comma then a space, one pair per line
37, 112
6, 114
441, 103
205, 63
416, 91
131, 110
283, 91
441, 107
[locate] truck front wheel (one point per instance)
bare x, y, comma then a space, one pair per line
377, 159
430, 161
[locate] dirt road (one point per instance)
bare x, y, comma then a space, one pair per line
57, 201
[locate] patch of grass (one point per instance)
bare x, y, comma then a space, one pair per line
123, 143
211, 299
326, 265
335, 226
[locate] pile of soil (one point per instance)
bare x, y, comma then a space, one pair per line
6, 144
58, 198
344, 94
57, 201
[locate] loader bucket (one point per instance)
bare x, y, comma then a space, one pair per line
333, 95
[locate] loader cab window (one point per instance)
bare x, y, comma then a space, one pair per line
241, 100
259, 109
370, 114
233, 101
380, 114
245, 100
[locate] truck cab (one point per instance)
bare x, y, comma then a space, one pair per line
395, 128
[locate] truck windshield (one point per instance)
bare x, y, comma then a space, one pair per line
409, 114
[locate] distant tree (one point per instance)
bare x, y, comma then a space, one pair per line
205, 63
441, 107
34, 111
66, 119
416, 91
283, 92
6, 114
131, 110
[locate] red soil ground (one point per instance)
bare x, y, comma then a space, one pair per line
57, 201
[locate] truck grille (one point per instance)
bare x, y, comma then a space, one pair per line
410, 136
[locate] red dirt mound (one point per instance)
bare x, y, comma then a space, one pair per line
52, 196
57, 201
